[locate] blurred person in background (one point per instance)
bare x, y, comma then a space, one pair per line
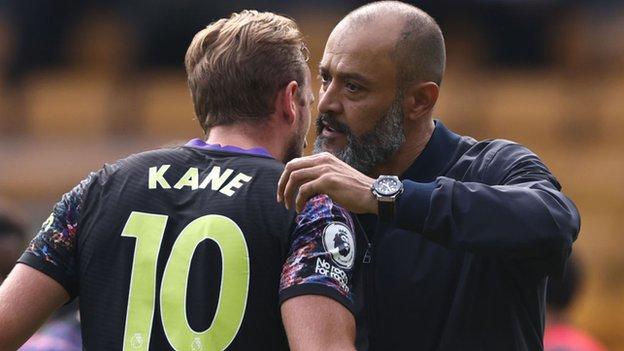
561, 334
170, 241
12, 239
463, 234
60, 333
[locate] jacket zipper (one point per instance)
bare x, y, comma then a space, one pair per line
369, 288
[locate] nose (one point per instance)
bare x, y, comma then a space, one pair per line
329, 100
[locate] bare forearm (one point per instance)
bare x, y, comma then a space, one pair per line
318, 323
27, 299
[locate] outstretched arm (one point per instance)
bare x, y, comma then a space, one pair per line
27, 298
516, 211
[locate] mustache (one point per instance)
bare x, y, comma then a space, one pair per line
324, 119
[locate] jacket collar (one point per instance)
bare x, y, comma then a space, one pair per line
435, 157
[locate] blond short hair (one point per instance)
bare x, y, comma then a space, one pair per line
236, 66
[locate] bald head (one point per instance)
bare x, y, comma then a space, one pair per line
418, 44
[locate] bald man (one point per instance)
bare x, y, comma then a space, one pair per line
462, 235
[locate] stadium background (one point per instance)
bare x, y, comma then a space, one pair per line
89, 82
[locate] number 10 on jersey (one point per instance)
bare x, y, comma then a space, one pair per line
148, 230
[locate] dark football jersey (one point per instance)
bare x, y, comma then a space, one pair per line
184, 249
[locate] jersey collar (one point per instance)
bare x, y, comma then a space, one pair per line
436, 155
255, 151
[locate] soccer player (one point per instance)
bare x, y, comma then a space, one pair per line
184, 248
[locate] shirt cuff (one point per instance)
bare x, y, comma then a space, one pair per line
52, 271
412, 206
316, 289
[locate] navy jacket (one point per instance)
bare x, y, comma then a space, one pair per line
479, 228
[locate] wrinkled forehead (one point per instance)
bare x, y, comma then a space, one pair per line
362, 48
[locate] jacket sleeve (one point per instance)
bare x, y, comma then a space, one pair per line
517, 211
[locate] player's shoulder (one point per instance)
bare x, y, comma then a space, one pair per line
169, 154
268, 164
322, 207
135, 166
184, 153
136, 162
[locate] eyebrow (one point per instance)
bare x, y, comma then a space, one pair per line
347, 75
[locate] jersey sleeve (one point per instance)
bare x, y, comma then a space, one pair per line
322, 254
53, 250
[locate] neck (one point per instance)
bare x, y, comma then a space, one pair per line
246, 136
416, 138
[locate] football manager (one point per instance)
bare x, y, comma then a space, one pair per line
462, 234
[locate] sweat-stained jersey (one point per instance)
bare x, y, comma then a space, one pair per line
184, 249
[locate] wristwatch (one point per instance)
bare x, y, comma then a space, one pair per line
386, 189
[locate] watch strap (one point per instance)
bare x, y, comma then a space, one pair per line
386, 210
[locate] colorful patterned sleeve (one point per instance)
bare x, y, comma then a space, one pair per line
53, 250
322, 254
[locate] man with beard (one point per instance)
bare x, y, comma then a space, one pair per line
186, 248
462, 234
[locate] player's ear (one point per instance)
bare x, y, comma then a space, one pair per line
288, 102
419, 99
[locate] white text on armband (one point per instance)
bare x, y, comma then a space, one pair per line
327, 269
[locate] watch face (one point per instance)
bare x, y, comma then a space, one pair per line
387, 185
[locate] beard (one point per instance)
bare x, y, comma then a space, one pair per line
369, 150
294, 149
296, 144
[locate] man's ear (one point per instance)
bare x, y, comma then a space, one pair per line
288, 100
419, 99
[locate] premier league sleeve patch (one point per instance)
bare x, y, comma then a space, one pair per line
338, 241
322, 254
